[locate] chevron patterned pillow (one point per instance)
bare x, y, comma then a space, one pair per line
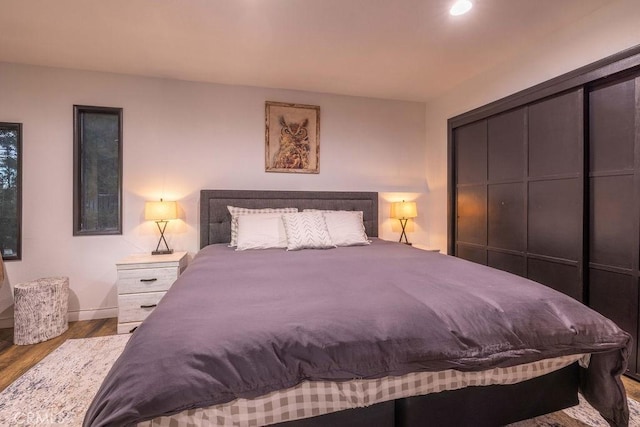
345, 227
306, 230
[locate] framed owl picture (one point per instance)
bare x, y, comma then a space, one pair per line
292, 138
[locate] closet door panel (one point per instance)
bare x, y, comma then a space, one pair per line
614, 204
507, 262
612, 127
471, 191
472, 214
561, 277
471, 153
506, 133
555, 135
473, 254
616, 296
555, 218
506, 216
612, 224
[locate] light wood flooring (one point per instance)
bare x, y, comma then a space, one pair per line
15, 360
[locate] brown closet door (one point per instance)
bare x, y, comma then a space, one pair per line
520, 192
506, 216
555, 189
470, 153
614, 211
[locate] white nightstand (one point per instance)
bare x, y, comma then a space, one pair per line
424, 247
143, 279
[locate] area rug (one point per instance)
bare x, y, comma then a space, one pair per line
59, 389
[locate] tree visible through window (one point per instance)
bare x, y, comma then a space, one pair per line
10, 190
97, 170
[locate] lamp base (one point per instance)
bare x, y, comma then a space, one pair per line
163, 252
162, 225
403, 223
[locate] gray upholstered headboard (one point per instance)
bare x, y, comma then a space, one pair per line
215, 220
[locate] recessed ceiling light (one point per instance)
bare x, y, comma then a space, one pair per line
460, 7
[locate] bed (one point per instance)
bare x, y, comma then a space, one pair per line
371, 335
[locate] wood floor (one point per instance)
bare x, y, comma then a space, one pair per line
15, 360
633, 388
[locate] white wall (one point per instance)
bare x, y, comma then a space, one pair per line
607, 31
180, 137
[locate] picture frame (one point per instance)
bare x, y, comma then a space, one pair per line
292, 138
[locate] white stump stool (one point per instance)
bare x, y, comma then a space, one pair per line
40, 310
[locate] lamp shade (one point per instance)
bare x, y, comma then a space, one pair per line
160, 211
404, 210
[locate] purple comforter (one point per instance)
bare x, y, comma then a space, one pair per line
243, 324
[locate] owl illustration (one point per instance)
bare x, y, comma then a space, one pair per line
294, 145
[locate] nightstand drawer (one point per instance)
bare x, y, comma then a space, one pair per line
143, 280
136, 307
146, 279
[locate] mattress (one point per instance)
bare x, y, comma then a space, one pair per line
314, 398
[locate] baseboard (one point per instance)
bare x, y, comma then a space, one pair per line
97, 313
74, 316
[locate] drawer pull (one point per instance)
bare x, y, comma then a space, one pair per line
131, 331
148, 306
148, 280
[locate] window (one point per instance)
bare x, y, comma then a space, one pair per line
97, 170
10, 190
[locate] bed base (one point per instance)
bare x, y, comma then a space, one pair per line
472, 406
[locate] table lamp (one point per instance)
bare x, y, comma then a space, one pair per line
161, 212
403, 211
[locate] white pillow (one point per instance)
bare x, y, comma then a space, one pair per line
306, 230
236, 212
261, 231
346, 228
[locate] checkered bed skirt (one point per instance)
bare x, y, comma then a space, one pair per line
312, 398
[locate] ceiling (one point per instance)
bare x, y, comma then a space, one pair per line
392, 49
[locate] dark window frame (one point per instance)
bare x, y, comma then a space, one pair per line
78, 112
18, 255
